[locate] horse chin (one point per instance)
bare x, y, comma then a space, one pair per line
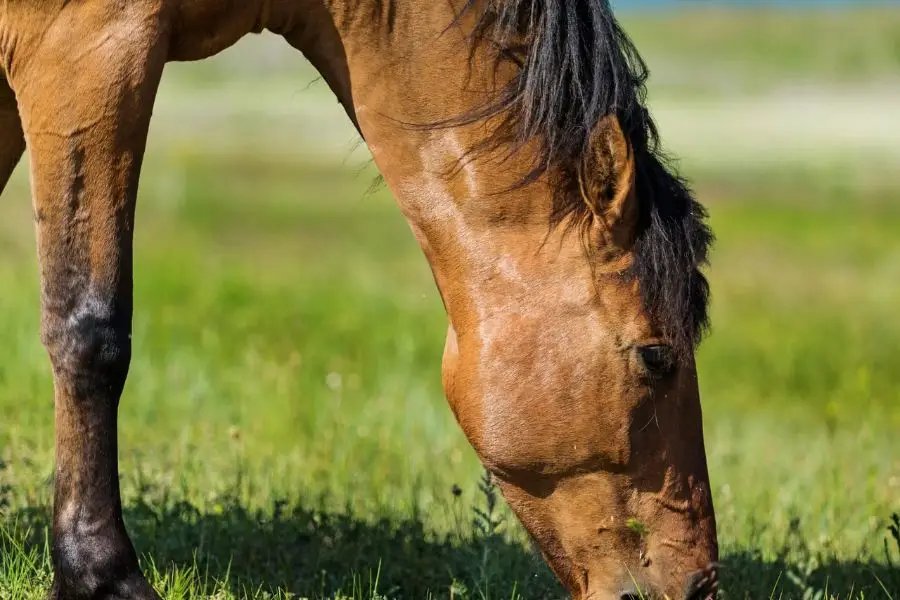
599, 552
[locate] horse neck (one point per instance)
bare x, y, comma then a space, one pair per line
396, 67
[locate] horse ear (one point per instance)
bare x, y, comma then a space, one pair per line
608, 177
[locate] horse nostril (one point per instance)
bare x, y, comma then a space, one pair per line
704, 584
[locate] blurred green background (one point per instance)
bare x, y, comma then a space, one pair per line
284, 431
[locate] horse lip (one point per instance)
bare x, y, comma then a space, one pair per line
703, 584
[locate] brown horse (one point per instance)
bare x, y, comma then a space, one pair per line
514, 136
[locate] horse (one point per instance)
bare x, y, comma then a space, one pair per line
567, 250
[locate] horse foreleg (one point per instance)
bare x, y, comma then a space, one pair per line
12, 141
85, 97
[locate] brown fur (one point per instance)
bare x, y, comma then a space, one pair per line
12, 140
542, 366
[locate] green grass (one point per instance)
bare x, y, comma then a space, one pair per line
283, 430
705, 49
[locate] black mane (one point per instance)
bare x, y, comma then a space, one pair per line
576, 66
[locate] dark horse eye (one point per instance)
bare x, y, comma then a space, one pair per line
658, 359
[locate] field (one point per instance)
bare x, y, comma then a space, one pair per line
284, 433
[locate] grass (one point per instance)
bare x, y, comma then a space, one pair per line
283, 430
753, 49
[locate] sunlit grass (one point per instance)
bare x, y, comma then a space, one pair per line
704, 48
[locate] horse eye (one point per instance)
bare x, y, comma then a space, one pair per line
658, 359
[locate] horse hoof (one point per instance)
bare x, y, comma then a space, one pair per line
131, 587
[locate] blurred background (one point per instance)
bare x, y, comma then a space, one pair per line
284, 430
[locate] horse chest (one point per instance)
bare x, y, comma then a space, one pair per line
203, 28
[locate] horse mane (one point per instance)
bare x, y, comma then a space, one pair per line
575, 66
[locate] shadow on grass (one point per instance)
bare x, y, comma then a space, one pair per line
748, 575
319, 554
797, 571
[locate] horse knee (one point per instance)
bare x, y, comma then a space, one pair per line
89, 344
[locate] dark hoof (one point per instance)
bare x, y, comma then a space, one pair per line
131, 587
